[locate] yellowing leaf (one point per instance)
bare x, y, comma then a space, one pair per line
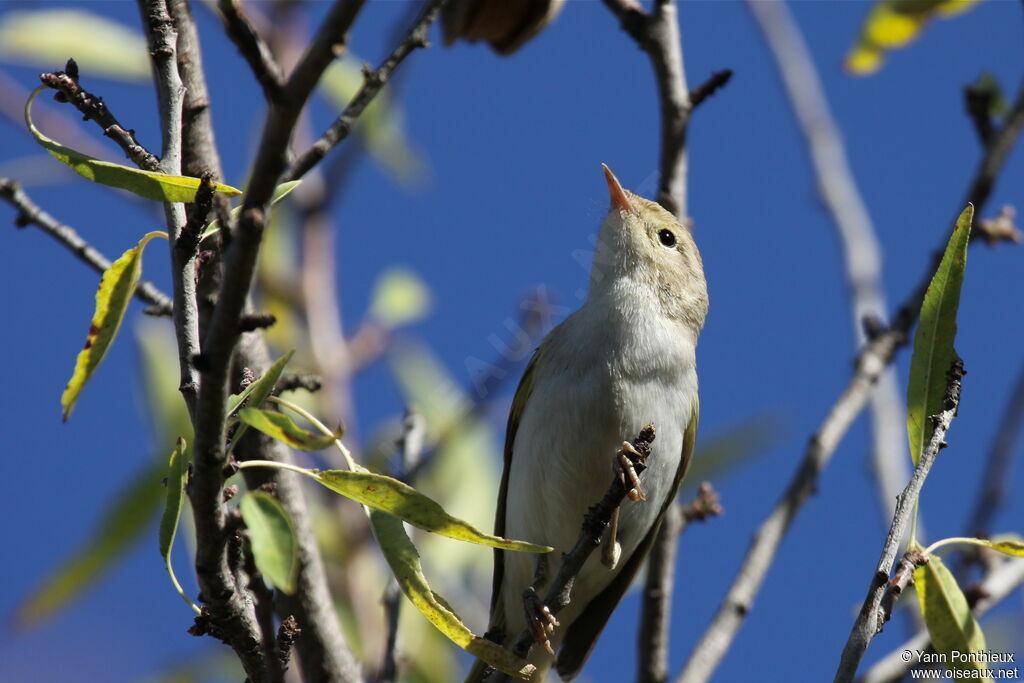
283, 428
400, 499
892, 24
400, 297
946, 614
272, 539
123, 523
933, 341
116, 289
148, 184
404, 561
177, 479
102, 47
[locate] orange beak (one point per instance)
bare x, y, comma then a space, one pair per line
615, 191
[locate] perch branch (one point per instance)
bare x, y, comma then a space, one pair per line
877, 607
29, 213
373, 82
871, 361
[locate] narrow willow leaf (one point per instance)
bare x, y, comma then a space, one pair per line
280, 192
1008, 544
101, 47
390, 495
283, 428
117, 286
404, 560
257, 392
946, 614
123, 523
148, 184
272, 539
400, 297
933, 341
892, 24
177, 479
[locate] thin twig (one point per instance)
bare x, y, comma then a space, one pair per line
871, 361
94, 108
29, 213
999, 584
254, 49
877, 607
373, 82
861, 252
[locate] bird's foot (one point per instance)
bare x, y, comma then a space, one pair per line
540, 619
636, 492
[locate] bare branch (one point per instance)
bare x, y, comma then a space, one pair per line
877, 607
999, 584
861, 252
253, 48
94, 108
373, 81
652, 641
29, 213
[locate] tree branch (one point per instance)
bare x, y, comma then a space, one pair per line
871, 361
861, 253
254, 50
29, 213
373, 82
996, 587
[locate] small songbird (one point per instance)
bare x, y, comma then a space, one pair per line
625, 359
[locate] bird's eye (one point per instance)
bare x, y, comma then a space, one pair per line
667, 238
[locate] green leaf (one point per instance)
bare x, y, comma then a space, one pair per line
400, 297
404, 560
933, 341
148, 184
391, 495
177, 479
257, 392
731, 449
123, 523
380, 128
946, 614
282, 428
893, 24
272, 539
116, 289
280, 192
101, 47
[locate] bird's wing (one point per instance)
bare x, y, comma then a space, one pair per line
585, 629
523, 393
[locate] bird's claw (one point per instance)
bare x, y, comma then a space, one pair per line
636, 492
542, 622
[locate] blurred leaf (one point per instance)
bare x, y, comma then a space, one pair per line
257, 392
101, 47
892, 24
379, 128
126, 518
987, 87
933, 341
272, 538
280, 192
148, 184
116, 289
283, 428
728, 450
400, 499
946, 614
400, 297
404, 560
162, 379
177, 479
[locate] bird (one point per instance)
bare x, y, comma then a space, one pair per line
626, 358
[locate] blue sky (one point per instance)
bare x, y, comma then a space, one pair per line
515, 190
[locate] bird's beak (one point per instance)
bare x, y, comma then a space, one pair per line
615, 191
